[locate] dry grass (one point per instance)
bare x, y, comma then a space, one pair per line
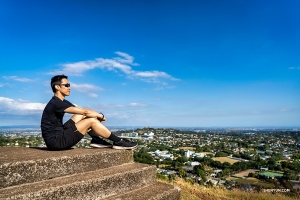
245, 173
225, 159
187, 148
196, 192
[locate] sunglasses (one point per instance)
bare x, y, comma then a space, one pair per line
66, 85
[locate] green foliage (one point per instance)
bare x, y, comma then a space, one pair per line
221, 154
226, 172
290, 175
226, 165
171, 177
161, 176
182, 173
142, 156
296, 156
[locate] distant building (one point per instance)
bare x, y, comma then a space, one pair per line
148, 136
132, 134
188, 153
199, 155
164, 154
264, 169
194, 163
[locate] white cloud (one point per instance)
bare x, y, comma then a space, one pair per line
121, 64
137, 105
130, 105
126, 58
93, 95
292, 68
152, 74
16, 78
84, 87
7, 104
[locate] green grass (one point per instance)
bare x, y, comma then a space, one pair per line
254, 181
271, 174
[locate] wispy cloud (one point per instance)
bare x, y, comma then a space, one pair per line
292, 68
8, 105
130, 105
85, 87
16, 78
121, 64
93, 95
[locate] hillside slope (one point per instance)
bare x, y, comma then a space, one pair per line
195, 192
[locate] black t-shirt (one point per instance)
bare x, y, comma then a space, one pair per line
52, 118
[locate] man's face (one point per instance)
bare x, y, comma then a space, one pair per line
64, 87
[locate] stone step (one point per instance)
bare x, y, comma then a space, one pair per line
98, 184
155, 191
26, 165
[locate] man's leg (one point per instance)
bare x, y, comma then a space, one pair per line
76, 118
97, 141
85, 124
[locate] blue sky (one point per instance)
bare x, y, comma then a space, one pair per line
154, 63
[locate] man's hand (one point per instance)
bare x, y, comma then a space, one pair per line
101, 118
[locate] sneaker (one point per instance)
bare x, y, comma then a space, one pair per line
100, 143
124, 144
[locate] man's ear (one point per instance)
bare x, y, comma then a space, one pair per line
56, 87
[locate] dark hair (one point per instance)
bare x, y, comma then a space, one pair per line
56, 80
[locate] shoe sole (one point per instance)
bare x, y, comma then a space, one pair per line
100, 146
120, 147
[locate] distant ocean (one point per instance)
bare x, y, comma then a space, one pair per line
37, 127
115, 128
20, 127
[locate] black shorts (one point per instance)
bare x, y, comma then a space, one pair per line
66, 138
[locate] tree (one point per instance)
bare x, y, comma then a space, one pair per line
296, 156
143, 156
182, 173
171, 177
201, 174
182, 159
226, 165
221, 154
290, 175
226, 172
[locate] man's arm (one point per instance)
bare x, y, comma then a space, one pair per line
85, 112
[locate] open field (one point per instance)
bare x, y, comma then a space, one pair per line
251, 181
187, 148
225, 159
207, 153
254, 181
271, 174
245, 173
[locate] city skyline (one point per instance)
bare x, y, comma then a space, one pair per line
154, 63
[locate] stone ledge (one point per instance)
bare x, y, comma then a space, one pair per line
155, 191
25, 165
89, 185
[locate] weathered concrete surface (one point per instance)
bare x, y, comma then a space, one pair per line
88, 185
28, 173
26, 165
155, 191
